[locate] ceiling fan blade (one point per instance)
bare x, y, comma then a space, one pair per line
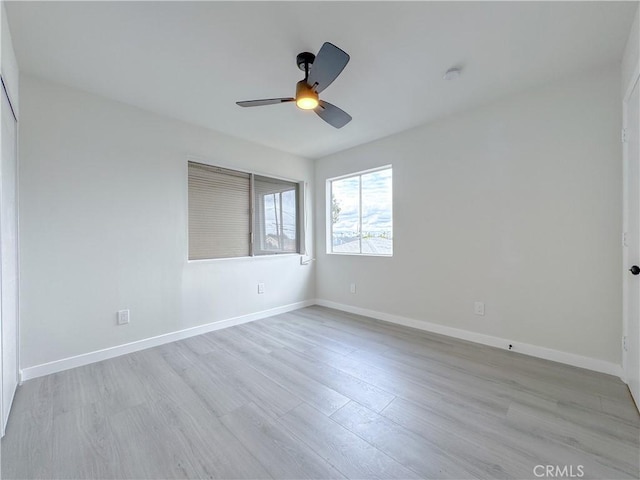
331, 114
266, 101
328, 64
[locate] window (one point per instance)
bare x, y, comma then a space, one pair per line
238, 214
275, 219
360, 213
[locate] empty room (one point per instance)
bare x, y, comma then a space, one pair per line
287, 240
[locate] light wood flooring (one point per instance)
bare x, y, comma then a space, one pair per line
319, 393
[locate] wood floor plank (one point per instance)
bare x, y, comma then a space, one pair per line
74, 389
251, 341
213, 388
94, 454
278, 338
405, 387
343, 383
471, 446
300, 341
253, 385
27, 447
313, 392
453, 383
388, 333
349, 453
482, 383
212, 448
281, 454
326, 321
178, 356
199, 344
514, 448
425, 458
118, 386
225, 382
607, 449
325, 335
622, 408
146, 448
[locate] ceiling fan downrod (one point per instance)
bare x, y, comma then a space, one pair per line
304, 60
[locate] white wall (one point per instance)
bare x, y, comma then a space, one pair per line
516, 204
631, 53
103, 192
8, 62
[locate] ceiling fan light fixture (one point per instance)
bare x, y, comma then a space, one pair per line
306, 98
307, 103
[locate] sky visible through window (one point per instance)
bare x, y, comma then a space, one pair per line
375, 213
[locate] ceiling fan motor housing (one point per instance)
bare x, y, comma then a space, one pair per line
303, 59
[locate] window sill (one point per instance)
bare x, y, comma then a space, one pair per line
247, 258
348, 254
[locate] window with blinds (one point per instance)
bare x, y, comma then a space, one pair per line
238, 214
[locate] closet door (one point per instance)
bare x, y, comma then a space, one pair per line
631, 242
8, 256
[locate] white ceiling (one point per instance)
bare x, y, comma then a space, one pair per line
193, 61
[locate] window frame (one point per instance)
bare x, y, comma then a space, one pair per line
300, 214
329, 212
257, 236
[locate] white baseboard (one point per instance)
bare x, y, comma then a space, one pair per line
503, 343
111, 352
572, 359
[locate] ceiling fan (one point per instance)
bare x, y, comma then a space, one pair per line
319, 72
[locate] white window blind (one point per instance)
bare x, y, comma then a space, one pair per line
219, 212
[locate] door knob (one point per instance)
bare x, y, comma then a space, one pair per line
635, 270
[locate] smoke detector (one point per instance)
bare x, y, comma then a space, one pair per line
452, 74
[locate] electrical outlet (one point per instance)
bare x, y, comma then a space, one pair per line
123, 317
261, 288
478, 308
352, 288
